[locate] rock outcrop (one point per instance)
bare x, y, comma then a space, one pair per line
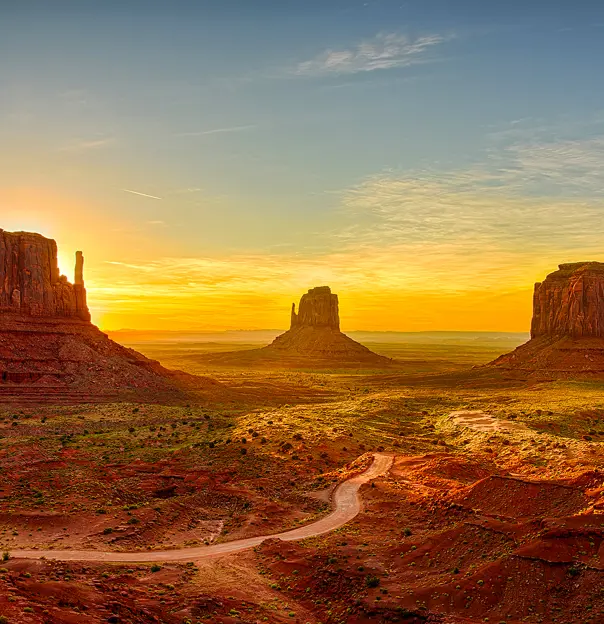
31, 284
567, 329
49, 349
318, 308
570, 302
314, 340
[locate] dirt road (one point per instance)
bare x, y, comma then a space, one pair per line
346, 506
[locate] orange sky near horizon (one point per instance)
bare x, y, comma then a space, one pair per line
135, 280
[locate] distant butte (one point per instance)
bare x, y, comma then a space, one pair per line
313, 340
49, 349
567, 330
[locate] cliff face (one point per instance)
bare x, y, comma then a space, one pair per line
318, 308
570, 302
30, 282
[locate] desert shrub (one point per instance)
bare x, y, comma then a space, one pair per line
5, 555
155, 568
372, 581
107, 531
244, 451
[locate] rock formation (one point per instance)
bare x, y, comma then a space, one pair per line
318, 308
567, 330
49, 349
570, 302
31, 284
314, 340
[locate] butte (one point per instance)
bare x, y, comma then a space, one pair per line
50, 352
567, 330
314, 340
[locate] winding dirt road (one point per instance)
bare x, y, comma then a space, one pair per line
346, 506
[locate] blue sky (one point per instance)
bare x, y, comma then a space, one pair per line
426, 148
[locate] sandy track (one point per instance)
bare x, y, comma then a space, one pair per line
346, 506
485, 423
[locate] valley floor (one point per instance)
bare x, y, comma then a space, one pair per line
493, 510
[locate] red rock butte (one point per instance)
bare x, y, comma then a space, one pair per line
49, 349
567, 330
31, 284
313, 340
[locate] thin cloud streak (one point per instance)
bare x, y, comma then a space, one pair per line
141, 194
217, 131
85, 145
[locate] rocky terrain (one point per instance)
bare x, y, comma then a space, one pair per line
567, 330
313, 340
492, 509
49, 349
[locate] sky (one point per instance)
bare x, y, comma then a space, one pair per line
214, 159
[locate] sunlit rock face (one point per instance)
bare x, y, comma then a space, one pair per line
30, 282
318, 308
567, 331
570, 302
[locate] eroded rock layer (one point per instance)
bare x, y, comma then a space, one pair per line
567, 331
318, 308
30, 281
49, 349
570, 302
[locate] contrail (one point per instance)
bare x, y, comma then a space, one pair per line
217, 131
142, 194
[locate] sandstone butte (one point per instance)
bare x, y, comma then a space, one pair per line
313, 340
49, 349
567, 330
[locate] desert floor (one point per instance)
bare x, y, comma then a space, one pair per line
493, 510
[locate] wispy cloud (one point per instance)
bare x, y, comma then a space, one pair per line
217, 131
82, 145
141, 194
385, 51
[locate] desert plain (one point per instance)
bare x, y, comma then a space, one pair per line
492, 510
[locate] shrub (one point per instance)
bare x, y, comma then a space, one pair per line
372, 581
155, 568
5, 555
